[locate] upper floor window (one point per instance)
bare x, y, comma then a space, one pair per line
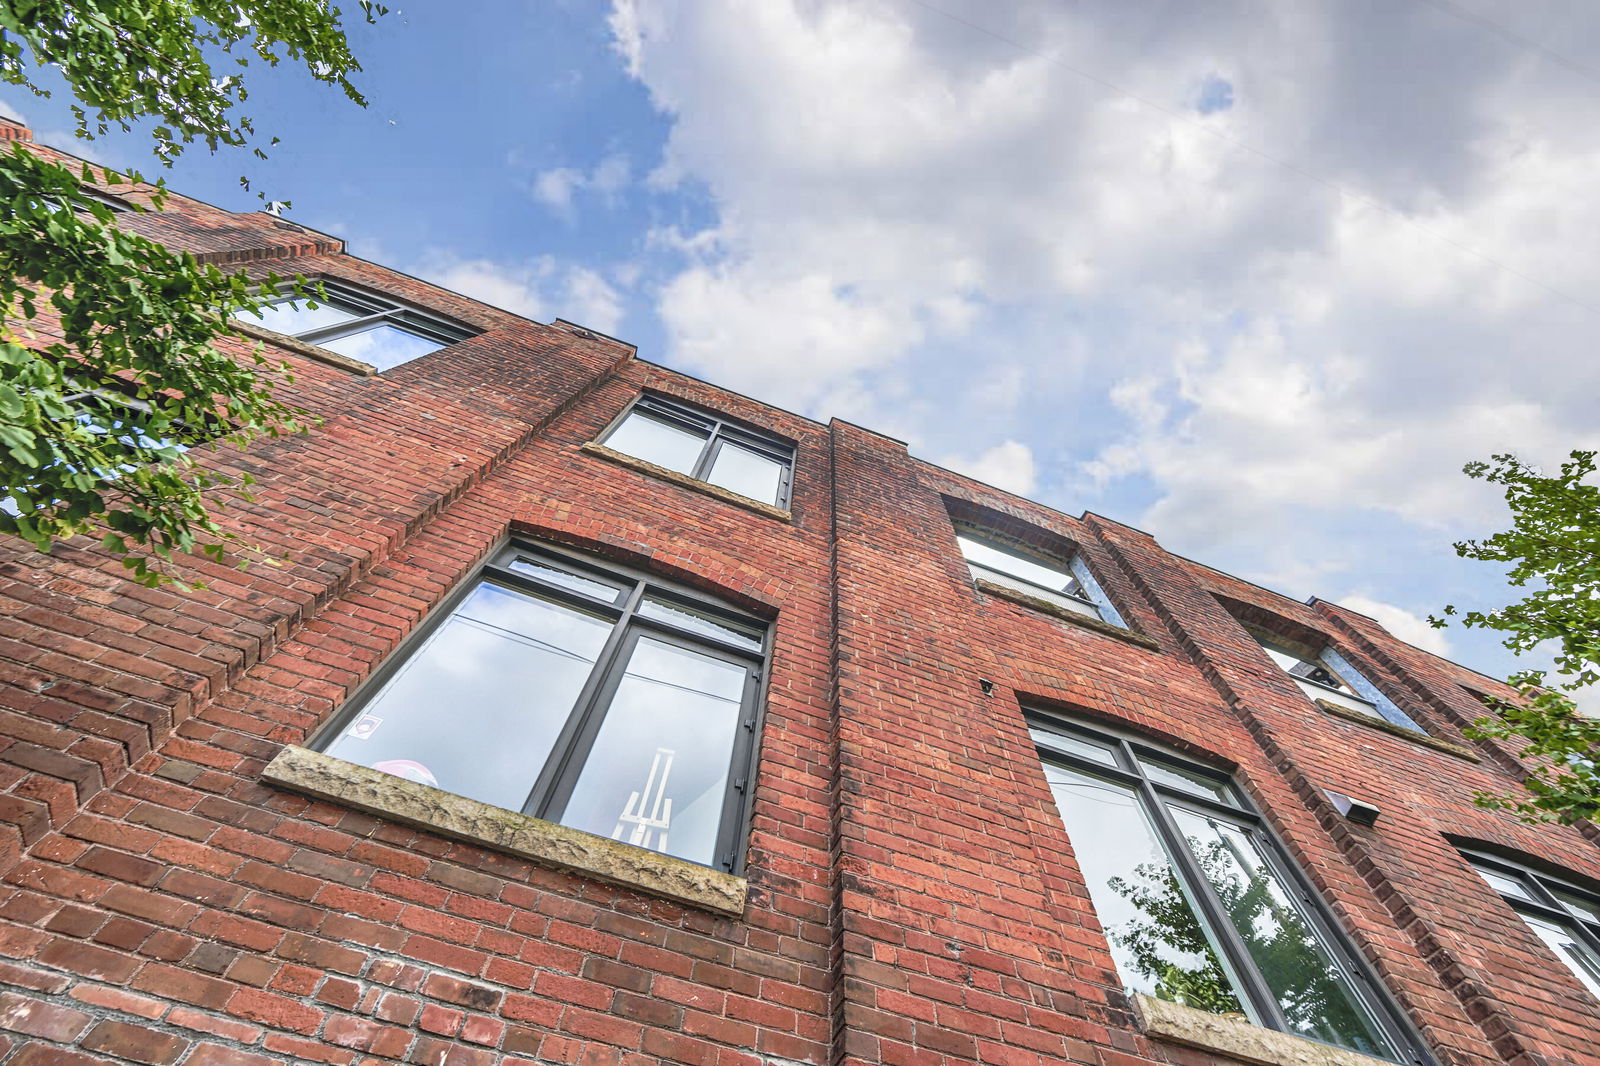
1564, 916
705, 447
581, 693
1066, 584
1199, 904
360, 325
1327, 676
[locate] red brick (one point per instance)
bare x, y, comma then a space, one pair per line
35, 1017
135, 1042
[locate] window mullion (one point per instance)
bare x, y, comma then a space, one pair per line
1237, 957
741, 773
341, 329
593, 696
708, 457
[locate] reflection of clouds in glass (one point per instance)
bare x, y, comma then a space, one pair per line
670, 700
297, 316
747, 473
383, 346
659, 442
481, 702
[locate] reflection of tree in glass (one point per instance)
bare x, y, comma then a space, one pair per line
1313, 999
1171, 930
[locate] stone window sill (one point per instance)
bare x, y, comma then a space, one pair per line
633, 462
1066, 614
1238, 1038
323, 777
1383, 725
310, 351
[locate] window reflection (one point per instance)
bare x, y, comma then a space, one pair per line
476, 709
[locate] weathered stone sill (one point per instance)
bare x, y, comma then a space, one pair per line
1238, 1038
323, 777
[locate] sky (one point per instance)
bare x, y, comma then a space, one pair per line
1258, 278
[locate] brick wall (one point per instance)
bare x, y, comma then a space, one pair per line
913, 897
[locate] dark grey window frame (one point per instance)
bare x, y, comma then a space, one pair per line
551, 786
1073, 560
1154, 797
718, 430
1544, 905
376, 309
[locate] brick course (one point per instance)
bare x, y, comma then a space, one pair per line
913, 897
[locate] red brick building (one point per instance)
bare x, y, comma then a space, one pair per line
600, 715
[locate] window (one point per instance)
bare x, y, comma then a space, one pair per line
1199, 904
705, 447
586, 695
1564, 916
1328, 677
359, 325
1071, 585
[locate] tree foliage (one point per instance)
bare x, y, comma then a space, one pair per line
1553, 551
96, 414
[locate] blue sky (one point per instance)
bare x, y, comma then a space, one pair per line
1256, 279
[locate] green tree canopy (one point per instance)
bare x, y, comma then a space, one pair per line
96, 419
1553, 550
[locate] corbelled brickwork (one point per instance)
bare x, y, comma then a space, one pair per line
910, 897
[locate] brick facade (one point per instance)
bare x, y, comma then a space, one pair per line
912, 896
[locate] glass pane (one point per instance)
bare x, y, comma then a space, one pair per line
298, 316
384, 346
1191, 781
1505, 885
695, 622
1159, 945
545, 572
1586, 909
1035, 572
658, 772
746, 472
1308, 670
1028, 587
1088, 749
1315, 996
1579, 959
660, 442
476, 709
1340, 697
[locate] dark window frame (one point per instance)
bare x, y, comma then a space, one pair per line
718, 430
376, 309
1384, 709
551, 786
1154, 799
1545, 904
998, 542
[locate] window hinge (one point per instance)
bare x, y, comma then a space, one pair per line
739, 784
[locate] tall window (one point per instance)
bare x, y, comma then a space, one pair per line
705, 447
360, 325
1199, 904
1066, 584
588, 695
1327, 676
1565, 917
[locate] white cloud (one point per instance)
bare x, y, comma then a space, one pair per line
554, 187
540, 289
1407, 625
558, 187
1008, 465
